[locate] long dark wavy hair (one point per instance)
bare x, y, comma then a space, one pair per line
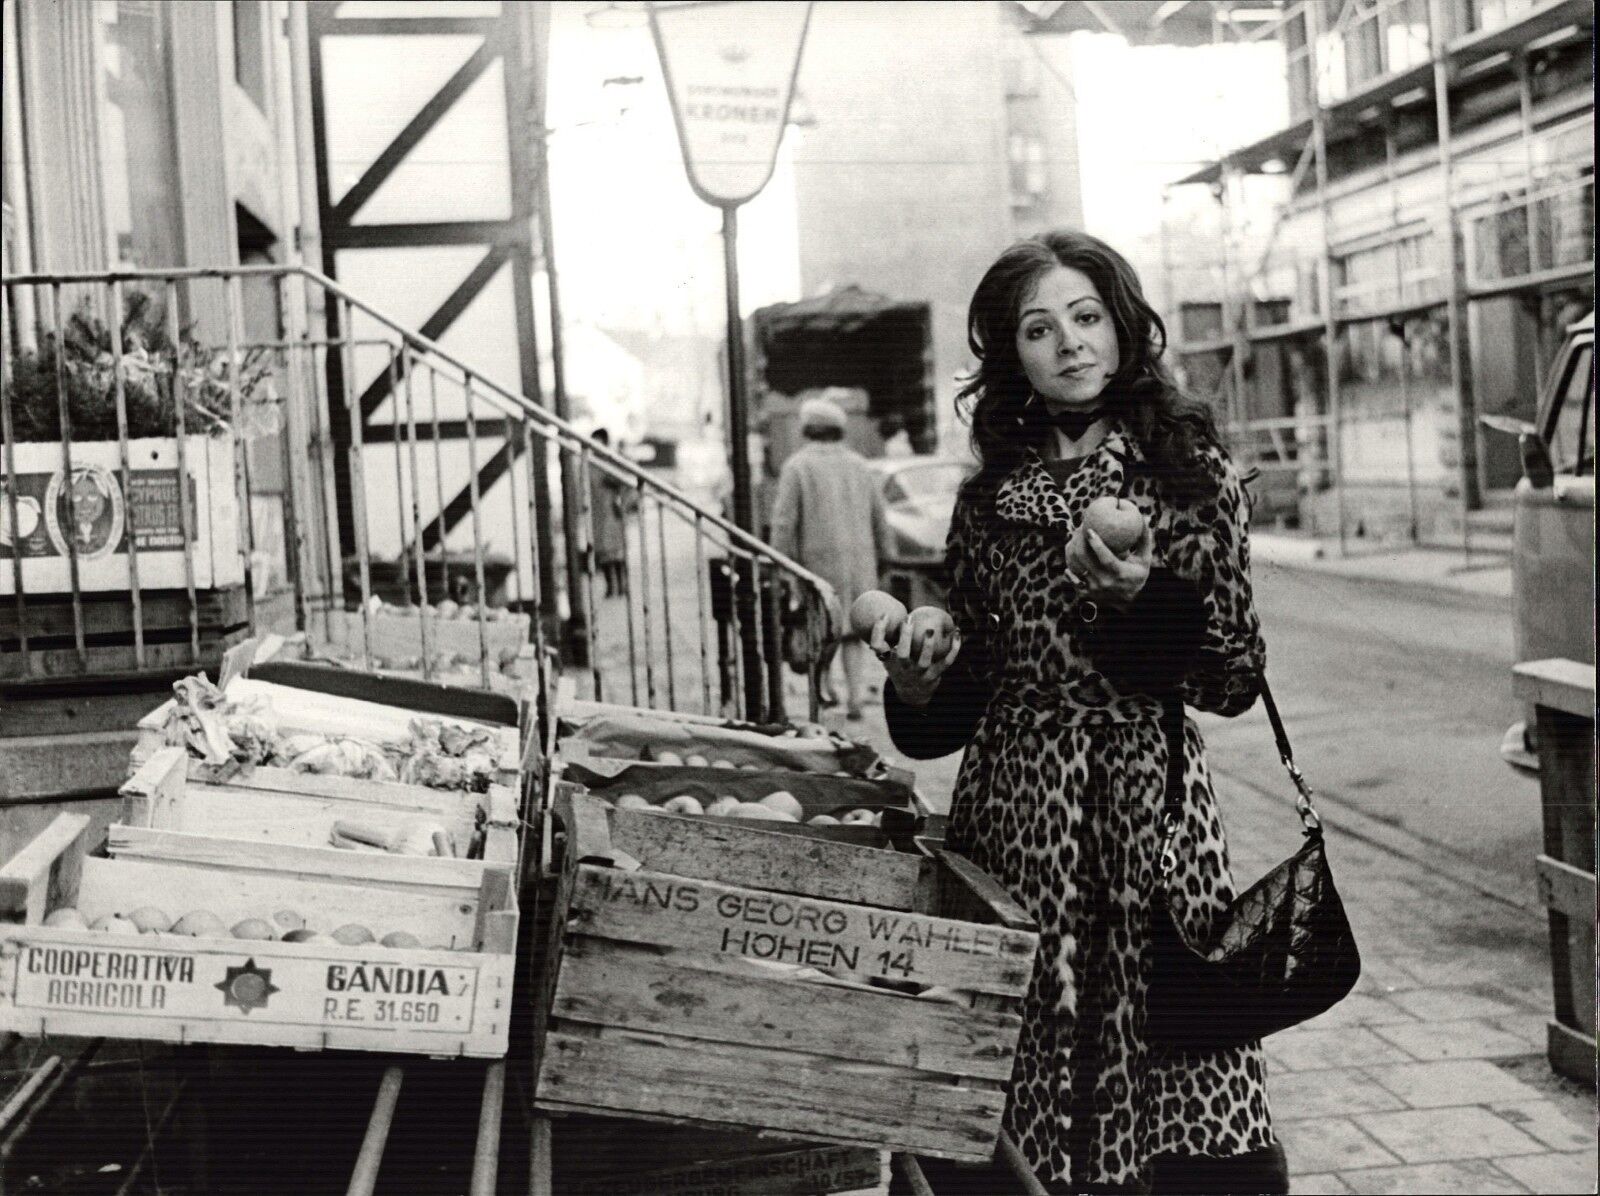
1168, 425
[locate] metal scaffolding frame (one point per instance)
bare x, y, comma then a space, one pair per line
506, 243
1451, 50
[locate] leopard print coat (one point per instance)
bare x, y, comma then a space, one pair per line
1060, 798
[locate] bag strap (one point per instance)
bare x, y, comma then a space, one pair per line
1172, 725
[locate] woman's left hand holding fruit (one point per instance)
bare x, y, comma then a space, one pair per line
1106, 578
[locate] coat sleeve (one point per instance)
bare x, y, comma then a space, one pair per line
1210, 549
786, 514
880, 525
946, 724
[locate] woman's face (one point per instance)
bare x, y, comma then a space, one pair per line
1066, 340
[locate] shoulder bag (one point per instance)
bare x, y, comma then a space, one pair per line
1283, 952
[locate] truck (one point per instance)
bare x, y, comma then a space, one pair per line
1552, 565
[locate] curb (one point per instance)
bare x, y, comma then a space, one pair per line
1420, 853
1308, 556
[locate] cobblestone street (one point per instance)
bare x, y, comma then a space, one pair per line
1431, 1076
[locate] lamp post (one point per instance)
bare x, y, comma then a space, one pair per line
730, 68
577, 631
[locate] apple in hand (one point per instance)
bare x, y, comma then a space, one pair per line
873, 605
930, 623
1117, 521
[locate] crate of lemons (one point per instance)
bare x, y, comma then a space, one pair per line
168, 934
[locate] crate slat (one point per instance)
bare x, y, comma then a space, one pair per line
861, 1103
172, 792
116, 658
34, 880
808, 1171
119, 886
441, 876
389, 794
747, 854
716, 919
728, 1001
112, 613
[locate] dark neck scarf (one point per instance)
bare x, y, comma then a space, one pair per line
1074, 423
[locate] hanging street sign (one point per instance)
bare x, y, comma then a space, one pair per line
730, 67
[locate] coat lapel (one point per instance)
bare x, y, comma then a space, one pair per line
1030, 496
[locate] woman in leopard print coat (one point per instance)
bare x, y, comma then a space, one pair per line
1056, 688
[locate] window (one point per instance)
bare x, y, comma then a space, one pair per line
1574, 418
1368, 40
1491, 14
1400, 272
138, 140
250, 50
1029, 183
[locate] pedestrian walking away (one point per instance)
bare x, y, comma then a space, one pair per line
609, 503
1098, 562
828, 515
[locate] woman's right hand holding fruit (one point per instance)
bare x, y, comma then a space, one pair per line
914, 661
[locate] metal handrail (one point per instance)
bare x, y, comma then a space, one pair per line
524, 404
412, 355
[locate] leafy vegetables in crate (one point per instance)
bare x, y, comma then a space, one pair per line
89, 373
244, 733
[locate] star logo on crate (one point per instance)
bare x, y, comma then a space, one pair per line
247, 987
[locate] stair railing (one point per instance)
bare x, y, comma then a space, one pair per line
703, 615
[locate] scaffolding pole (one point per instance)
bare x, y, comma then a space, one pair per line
1455, 300
1330, 323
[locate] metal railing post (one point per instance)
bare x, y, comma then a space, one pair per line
186, 522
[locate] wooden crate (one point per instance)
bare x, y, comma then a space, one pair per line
1562, 693
300, 710
313, 996
626, 734
171, 792
711, 973
599, 1156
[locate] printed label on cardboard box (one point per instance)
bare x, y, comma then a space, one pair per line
93, 513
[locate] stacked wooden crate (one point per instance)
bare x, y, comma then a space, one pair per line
404, 953
779, 979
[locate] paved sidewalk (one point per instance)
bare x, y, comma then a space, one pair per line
1482, 578
1431, 1076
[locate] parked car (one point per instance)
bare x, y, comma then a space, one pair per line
919, 495
1553, 541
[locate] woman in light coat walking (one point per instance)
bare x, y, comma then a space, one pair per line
828, 516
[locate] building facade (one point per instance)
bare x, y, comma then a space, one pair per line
151, 136
944, 133
1434, 238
